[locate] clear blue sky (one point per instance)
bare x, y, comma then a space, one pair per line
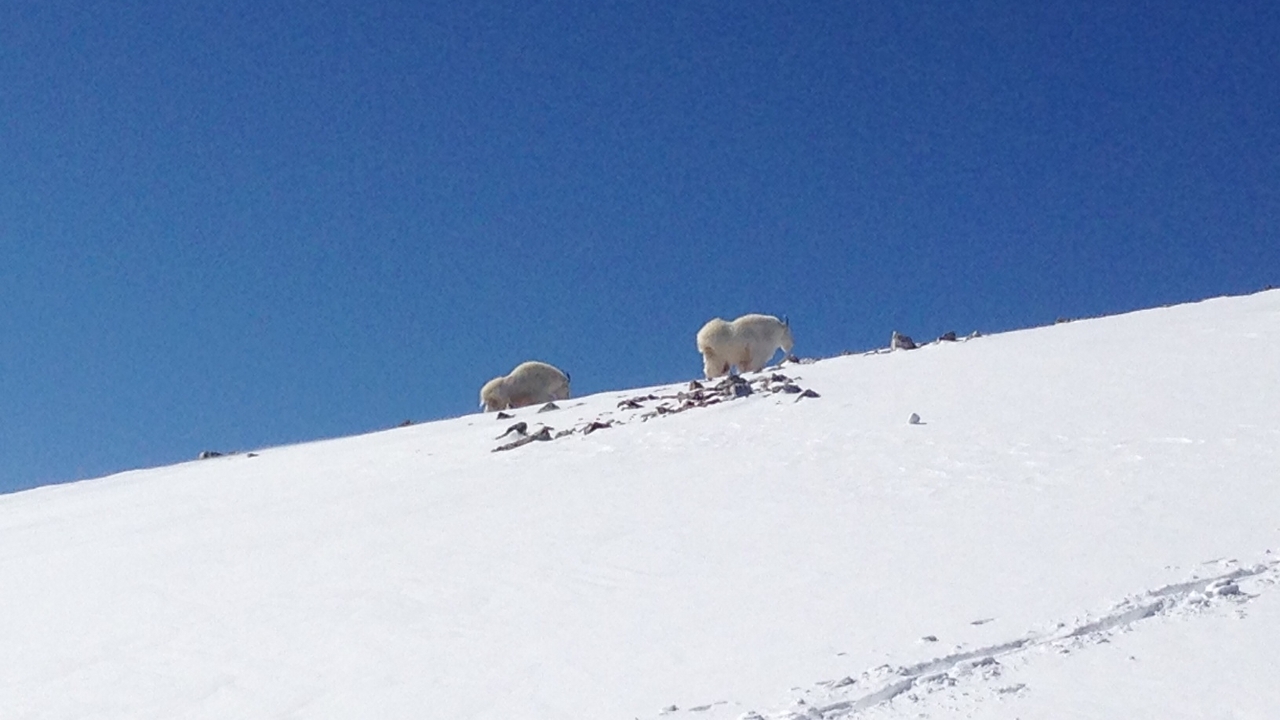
228, 225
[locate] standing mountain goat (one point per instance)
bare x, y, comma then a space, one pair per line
748, 342
530, 383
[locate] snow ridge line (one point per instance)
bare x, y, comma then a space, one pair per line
948, 670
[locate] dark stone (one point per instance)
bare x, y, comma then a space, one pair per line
542, 434
519, 429
514, 444
596, 425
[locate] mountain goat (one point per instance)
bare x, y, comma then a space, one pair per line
748, 342
530, 383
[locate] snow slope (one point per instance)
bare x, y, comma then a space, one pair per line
1084, 525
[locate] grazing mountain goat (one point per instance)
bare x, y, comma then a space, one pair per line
748, 342
530, 383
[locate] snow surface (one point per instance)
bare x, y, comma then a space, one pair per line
1085, 523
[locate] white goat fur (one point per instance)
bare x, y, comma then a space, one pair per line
530, 383
748, 342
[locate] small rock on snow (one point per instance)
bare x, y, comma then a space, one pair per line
519, 429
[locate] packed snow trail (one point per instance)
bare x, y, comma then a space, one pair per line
982, 668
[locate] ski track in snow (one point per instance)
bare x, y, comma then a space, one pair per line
878, 687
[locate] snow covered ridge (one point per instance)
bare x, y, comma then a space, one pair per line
1082, 524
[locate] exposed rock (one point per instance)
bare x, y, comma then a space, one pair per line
596, 425
698, 395
543, 434
519, 429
